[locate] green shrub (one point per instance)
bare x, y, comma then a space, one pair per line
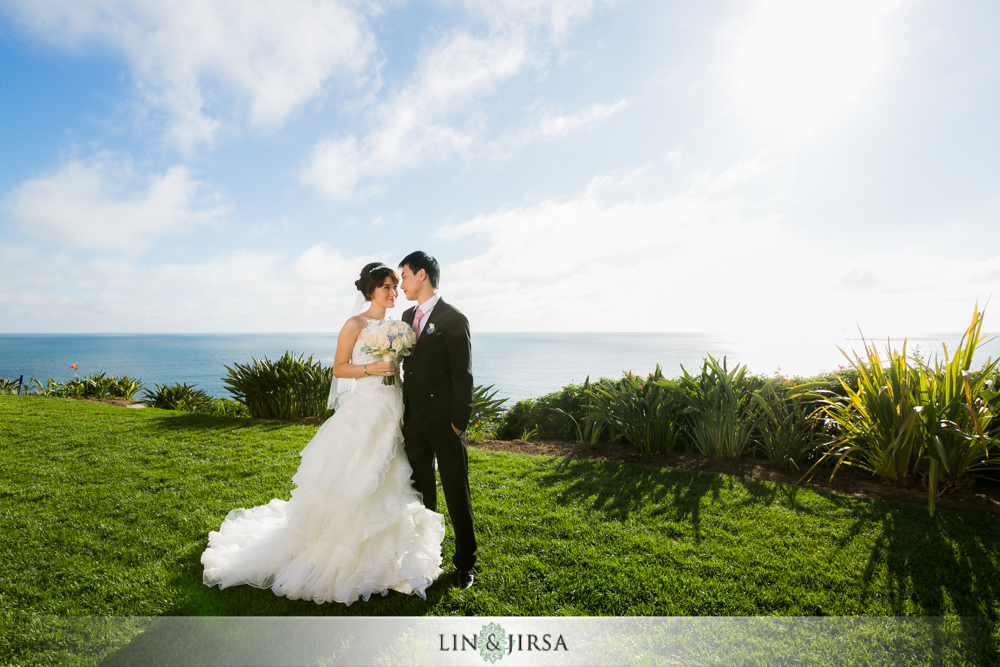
98, 385
551, 416
911, 420
224, 407
647, 412
484, 429
485, 405
168, 396
487, 413
9, 387
787, 428
288, 388
719, 405
50, 388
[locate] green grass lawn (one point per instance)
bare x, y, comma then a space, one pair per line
105, 512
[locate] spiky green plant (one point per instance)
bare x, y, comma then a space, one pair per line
289, 388
786, 424
719, 409
590, 423
646, 411
9, 386
223, 407
913, 420
97, 385
485, 405
50, 388
169, 396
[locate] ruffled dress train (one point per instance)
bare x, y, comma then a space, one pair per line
354, 525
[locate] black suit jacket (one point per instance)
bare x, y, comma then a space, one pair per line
437, 382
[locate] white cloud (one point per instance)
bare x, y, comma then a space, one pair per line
552, 15
242, 290
273, 56
436, 115
414, 125
699, 261
560, 126
103, 204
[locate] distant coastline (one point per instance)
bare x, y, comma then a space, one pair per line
519, 365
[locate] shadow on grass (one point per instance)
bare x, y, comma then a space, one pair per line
209, 423
617, 490
936, 566
944, 565
197, 599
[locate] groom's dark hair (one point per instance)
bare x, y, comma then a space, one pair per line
417, 260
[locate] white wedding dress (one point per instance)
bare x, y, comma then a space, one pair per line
354, 525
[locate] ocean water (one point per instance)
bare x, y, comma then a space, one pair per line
519, 365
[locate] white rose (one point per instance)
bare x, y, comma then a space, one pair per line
368, 338
397, 344
384, 329
382, 341
411, 338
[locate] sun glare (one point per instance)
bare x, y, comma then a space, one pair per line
804, 62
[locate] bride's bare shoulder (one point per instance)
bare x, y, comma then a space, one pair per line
355, 324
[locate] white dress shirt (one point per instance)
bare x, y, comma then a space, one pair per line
426, 309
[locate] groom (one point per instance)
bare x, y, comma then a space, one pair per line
437, 402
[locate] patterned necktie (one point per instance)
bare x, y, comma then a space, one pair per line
418, 317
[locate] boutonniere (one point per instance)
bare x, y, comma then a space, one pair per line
430, 328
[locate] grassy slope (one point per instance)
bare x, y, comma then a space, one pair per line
105, 512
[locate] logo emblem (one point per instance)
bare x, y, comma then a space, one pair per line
492, 642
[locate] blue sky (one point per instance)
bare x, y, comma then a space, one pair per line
575, 165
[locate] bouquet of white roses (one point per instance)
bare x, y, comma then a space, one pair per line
390, 339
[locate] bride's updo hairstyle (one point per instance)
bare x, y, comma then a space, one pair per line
372, 276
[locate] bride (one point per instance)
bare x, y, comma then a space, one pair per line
354, 525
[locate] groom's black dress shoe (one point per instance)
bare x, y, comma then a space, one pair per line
465, 579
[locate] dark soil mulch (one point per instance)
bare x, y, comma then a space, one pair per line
983, 496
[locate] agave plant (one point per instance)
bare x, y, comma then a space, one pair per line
9, 386
646, 411
485, 405
100, 385
288, 388
170, 396
50, 388
719, 409
914, 420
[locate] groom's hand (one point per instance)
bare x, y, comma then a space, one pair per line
457, 432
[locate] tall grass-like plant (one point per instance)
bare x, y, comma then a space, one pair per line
288, 388
719, 409
646, 411
786, 423
589, 421
912, 420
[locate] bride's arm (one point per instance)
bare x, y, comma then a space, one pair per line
342, 366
